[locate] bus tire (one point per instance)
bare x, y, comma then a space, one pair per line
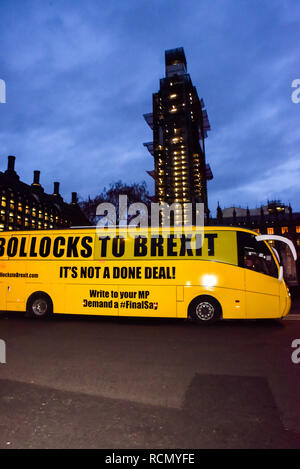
39, 306
205, 310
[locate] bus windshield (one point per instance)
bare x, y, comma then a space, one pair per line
255, 255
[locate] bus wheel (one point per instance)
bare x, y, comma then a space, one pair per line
205, 309
39, 306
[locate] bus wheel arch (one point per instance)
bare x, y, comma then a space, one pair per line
205, 309
39, 305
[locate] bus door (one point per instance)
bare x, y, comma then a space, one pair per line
262, 285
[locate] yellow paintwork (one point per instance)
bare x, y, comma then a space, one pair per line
160, 282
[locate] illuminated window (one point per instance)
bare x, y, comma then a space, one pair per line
270, 231
297, 229
284, 229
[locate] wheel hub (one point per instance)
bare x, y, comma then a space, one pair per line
39, 307
205, 311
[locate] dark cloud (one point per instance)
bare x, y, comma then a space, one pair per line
80, 75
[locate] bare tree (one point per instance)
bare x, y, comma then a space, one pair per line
136, 192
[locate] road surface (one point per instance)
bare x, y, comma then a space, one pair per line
147, 383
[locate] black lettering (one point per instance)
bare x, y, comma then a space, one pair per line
45, 246
211, 243
106, 273
59, 241
198, 245
140, 246
91, 272
116, 272
74, 272
2, 245
118, 247
148, 272
12, 247
185, 240
124, 272
171, 245
87, 248
104, 245
22, 248
161, 272
33, 253
72, 247
83, 272
157, 246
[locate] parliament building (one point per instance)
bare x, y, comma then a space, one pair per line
29, 207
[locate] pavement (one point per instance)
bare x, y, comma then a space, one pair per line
124, 383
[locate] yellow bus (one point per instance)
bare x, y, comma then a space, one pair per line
231, 274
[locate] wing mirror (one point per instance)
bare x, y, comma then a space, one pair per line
279, 238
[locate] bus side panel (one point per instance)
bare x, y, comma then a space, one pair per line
225, 282
15, 295
2, 297
91, 299
55, 291
3, 284
232, 301
262, 296
285, 300
123, 300
147, 300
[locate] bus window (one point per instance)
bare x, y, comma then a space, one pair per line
255, 255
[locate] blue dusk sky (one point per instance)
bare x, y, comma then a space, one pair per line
80, 74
